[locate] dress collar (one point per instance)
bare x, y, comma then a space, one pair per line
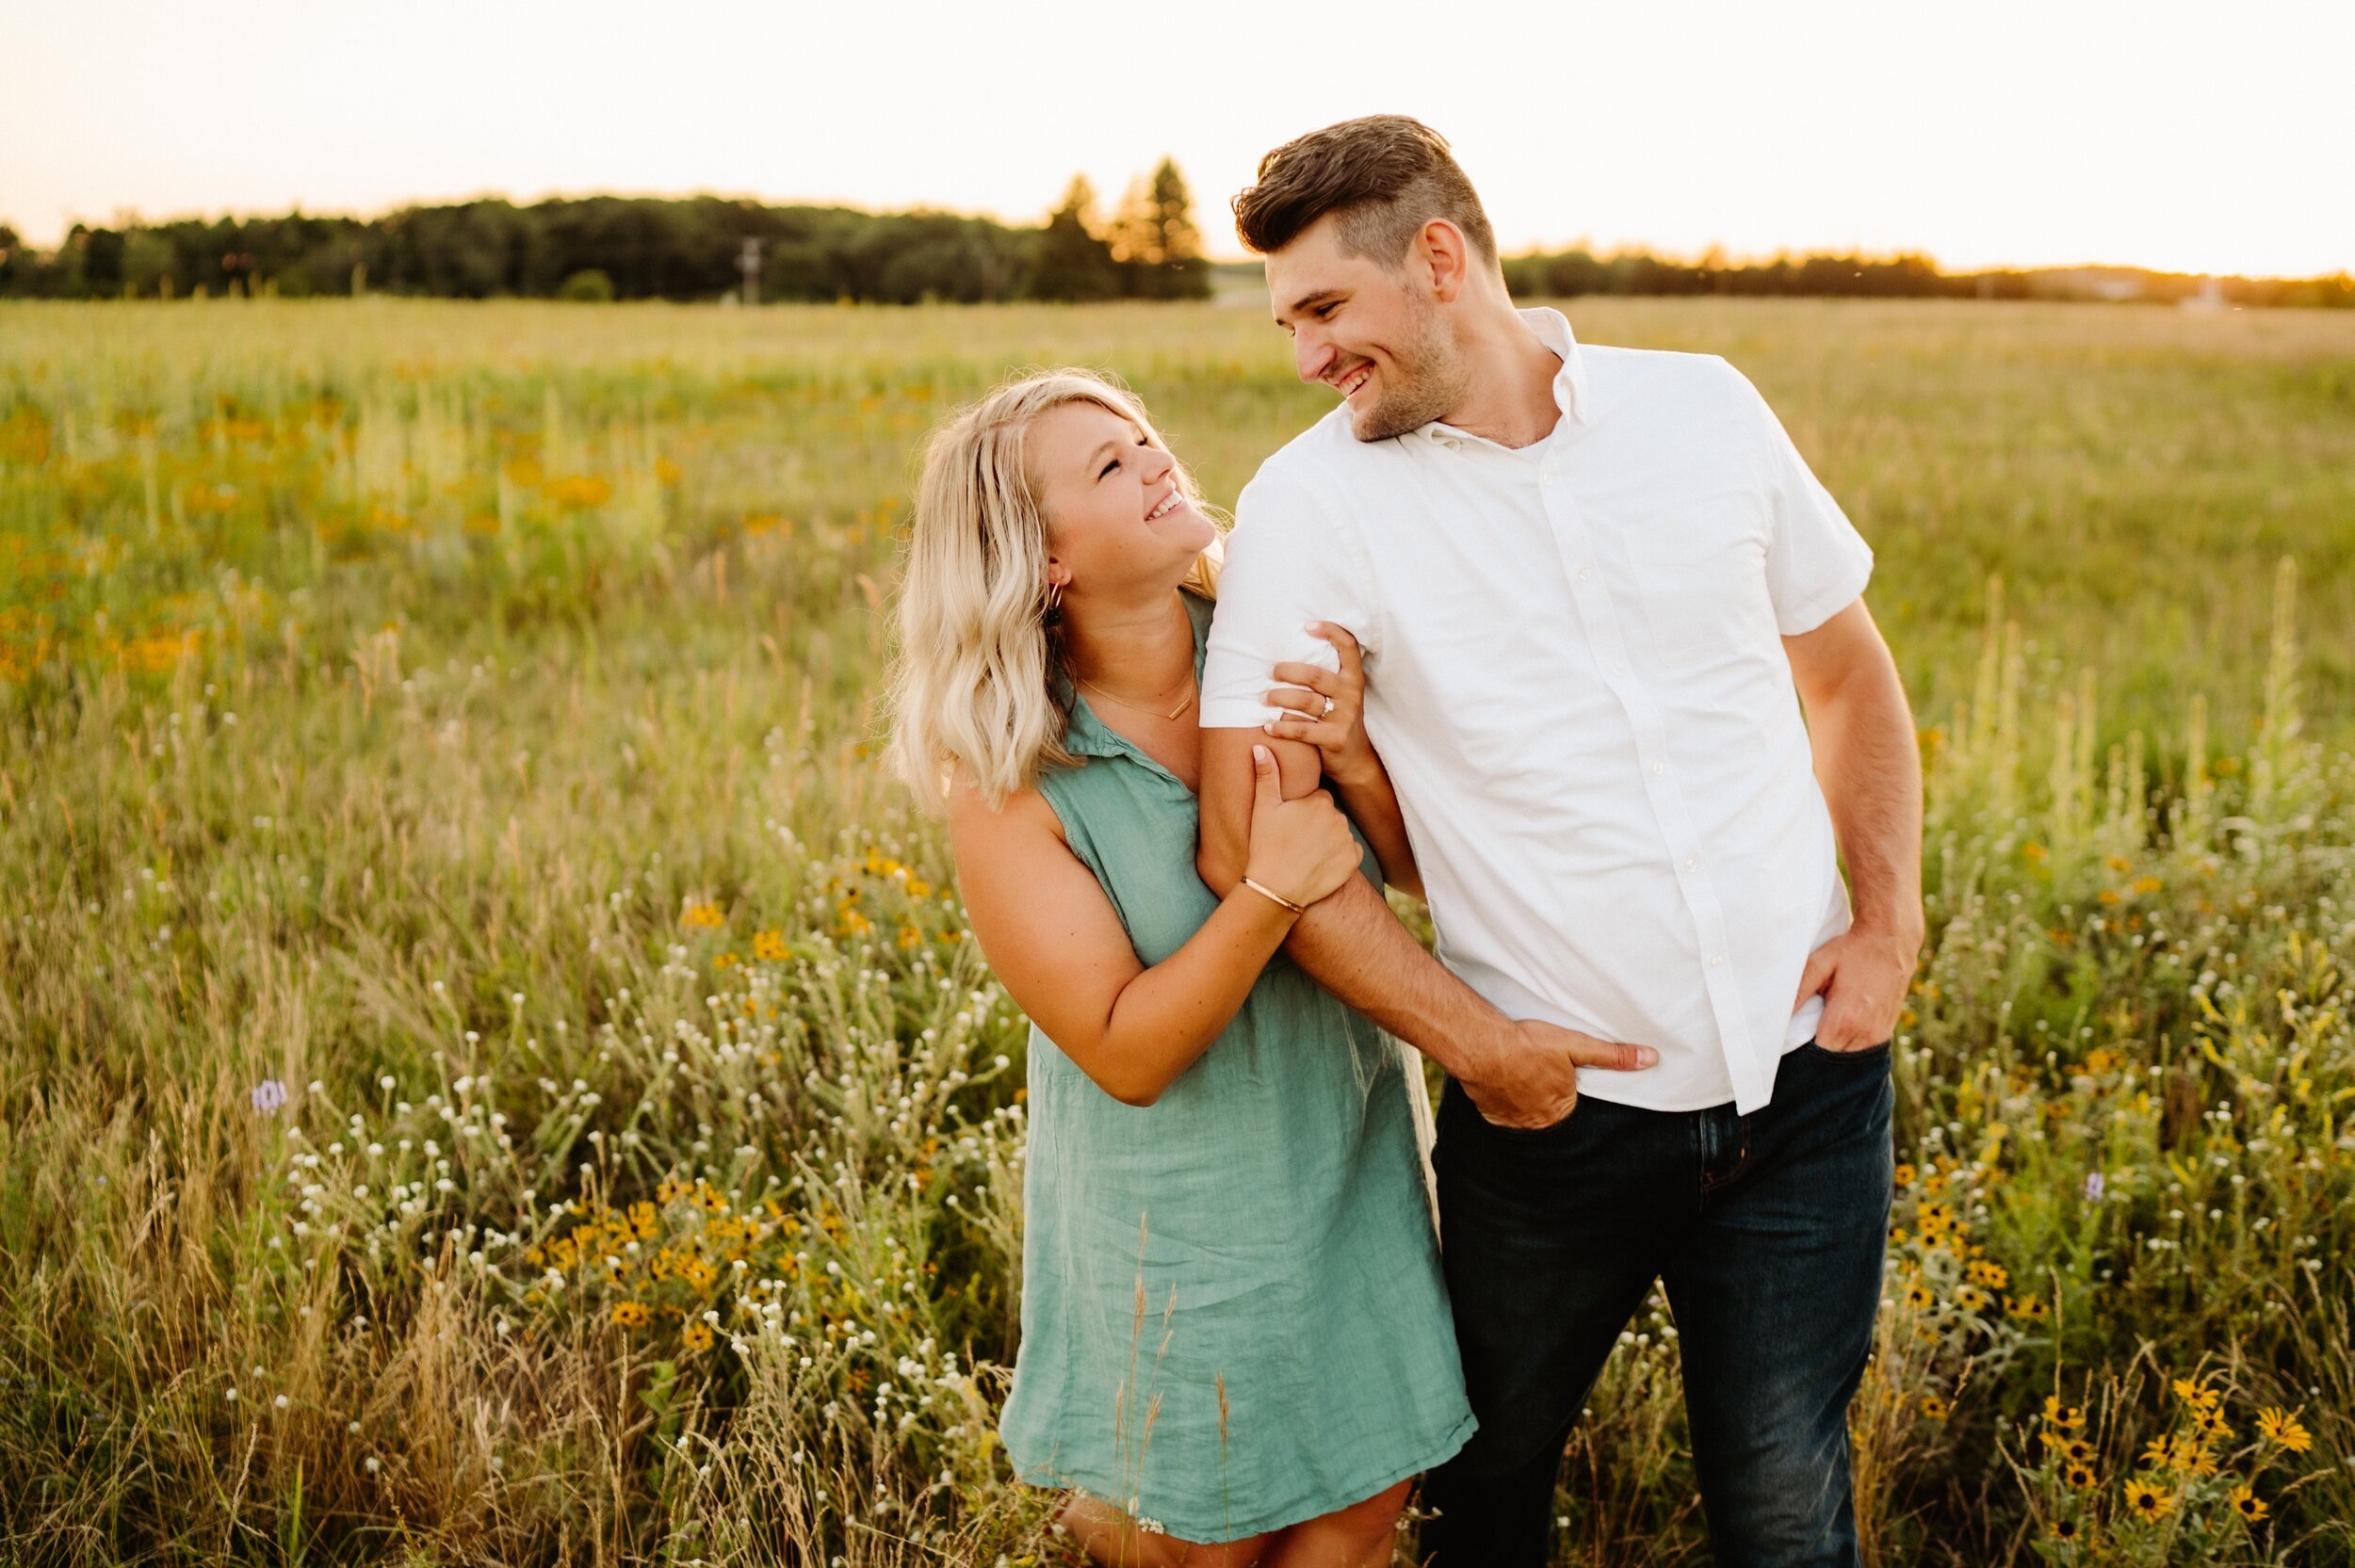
1086, 735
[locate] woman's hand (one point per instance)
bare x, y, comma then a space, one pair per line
1301, 848
1332, 710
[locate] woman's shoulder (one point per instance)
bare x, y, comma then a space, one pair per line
1024, 808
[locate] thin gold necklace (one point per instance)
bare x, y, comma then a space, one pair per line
1191, 690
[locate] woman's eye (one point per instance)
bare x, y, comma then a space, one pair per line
1110, 466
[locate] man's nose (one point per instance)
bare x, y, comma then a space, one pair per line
1311, 355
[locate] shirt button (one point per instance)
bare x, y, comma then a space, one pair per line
1691, 861
1585, 572
1717, 959
1658, 768
1547, 480
1617, 668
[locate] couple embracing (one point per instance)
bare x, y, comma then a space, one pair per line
1566, 640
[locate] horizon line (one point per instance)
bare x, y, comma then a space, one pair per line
1728, 256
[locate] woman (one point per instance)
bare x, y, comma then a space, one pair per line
1235, 1341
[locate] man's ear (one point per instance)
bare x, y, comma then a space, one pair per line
1447, 256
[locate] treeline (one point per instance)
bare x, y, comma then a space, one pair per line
710, 248
626, 248
1571, 273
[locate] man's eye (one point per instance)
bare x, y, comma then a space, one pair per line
1324, 312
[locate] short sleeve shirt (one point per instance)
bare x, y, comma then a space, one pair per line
1576, 678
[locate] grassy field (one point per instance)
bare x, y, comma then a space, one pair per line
491, 1072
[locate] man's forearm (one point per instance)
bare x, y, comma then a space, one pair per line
1353, 945
1868, 763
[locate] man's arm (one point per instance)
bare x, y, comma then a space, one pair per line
1521, 1073
1870, 768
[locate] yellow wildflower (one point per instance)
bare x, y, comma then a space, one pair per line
2283, 1426
631, 1314
2247, 1504
2147, 1501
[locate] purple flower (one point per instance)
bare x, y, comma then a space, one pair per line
269, 1095
2095, 1186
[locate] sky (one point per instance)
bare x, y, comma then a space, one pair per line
2188, 138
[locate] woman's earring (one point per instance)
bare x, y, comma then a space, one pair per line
1054, 605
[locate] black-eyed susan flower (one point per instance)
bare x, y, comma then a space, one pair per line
632, 1315
2283, 1426
2145, 1500
2245, 1503
2067, 1417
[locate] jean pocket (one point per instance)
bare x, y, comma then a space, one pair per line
1867, 1053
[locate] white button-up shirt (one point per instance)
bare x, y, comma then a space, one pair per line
1576, 678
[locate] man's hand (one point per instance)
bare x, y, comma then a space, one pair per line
1532, 1081
1863, 976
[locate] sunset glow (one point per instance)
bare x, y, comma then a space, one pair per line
2179, 137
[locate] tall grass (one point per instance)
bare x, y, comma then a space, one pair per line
493, 1073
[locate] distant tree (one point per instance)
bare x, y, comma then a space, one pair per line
1154, 240
1074, 260
588, 286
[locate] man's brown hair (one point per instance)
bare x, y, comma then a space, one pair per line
1385, 175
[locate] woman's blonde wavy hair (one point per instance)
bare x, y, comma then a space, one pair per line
973, 672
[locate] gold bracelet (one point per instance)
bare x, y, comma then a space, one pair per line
1270, 893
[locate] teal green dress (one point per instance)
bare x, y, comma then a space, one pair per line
1233, 1317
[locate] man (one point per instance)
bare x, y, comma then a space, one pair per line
1594, 588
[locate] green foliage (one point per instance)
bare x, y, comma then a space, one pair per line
589, 286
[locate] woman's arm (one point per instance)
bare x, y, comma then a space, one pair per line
1057, 944
1347, 757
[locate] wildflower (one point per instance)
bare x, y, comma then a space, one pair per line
2067, 1417
1934, 1408
2029, 1309
1993, 1275
2147, 1501
2065, 1530
1905, 1175
631, 1314
2194, 1393
1918, 1296
770, 946
702, 917
1971, 1299
2096, 1185
2283, 1426
2081, 1477
696, 1335
269, 1095
2245, 1503
2209, 1423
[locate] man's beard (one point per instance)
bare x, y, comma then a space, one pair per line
1426, 383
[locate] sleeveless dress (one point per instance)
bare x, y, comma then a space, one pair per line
1233, 1317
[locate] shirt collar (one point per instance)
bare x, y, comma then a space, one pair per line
1552, 328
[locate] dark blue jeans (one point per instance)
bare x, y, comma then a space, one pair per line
1768, 1232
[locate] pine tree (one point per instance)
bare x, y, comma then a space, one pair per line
1155, 242
1074, 260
